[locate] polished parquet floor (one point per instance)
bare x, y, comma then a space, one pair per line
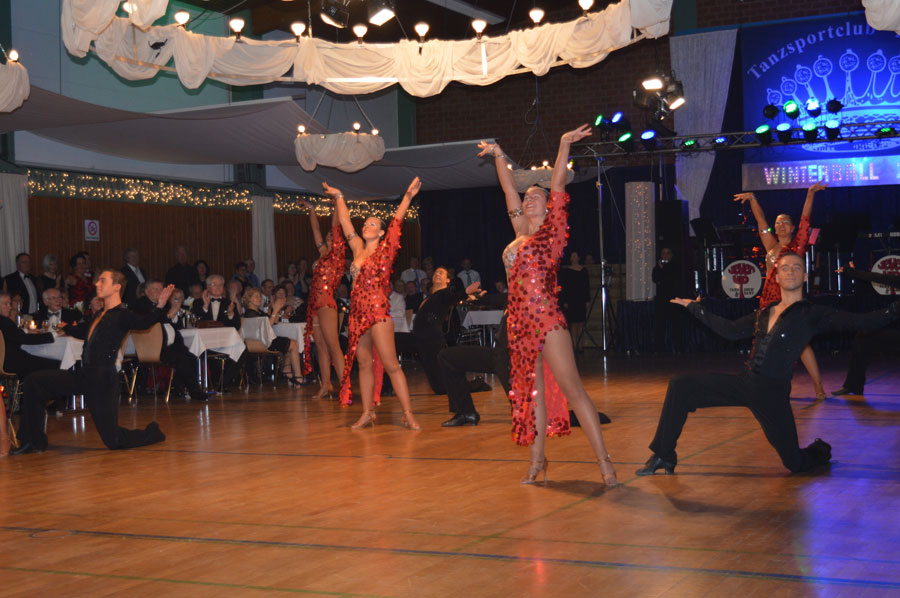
268, 492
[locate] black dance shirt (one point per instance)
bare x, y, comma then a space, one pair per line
775, 352
102, 349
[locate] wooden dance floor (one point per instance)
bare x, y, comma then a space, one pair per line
269, 492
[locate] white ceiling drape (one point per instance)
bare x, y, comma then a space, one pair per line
351, 68
14, 86
883, 15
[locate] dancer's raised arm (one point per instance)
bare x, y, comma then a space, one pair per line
343, 214
507, 183
766, 235
810, 196
561, 167
316, 230
411, 192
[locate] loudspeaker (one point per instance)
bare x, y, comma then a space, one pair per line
672, 232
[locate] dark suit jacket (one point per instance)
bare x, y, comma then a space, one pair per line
69, 316
15, 284
202, 314
145, 306
130, 297
14, 338
102, 349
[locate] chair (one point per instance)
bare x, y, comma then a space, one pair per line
258, 335
148, 346
14, 398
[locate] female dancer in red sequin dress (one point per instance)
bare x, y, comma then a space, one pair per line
371, 330
781, 240
321, 309
543, 374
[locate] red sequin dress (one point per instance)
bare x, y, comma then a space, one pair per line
369, 304
533, 311
771, 292
326, 277
80, 291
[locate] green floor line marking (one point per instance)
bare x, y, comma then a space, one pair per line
718, 444
188, 582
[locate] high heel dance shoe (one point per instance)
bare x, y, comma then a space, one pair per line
368, 417
534, 470
326, 392
608, 471
408, 421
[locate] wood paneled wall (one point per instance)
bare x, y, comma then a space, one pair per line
221, 237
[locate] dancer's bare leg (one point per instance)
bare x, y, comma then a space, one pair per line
559, 356
540, 420
576, 328
294, 358
328, 322
366, 379
383, 338
812, 366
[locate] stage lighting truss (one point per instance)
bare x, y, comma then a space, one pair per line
840, 132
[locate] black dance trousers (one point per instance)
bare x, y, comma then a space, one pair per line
865, 346
768, 399
454, 362
100, 387
428, 346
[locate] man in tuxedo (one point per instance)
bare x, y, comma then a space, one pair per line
21, 282
97, 379
215, 306
54, 311
134, 275
182, 274
174, 352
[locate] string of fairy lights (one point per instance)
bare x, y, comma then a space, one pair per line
53, 183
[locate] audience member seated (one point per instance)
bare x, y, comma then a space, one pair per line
235, 294
215, 306
22, 282
397, 300
51, 277
292, 301
182, 274
134, 275
414, 298
413, 274
267, 287
286, 346
201, 268
78, 284
195, 295
240, 274
17, 361
466, 274
53, 310
251, 273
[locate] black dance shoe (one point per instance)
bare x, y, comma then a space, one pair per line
845, 391
26, 448
462, 419
821, 449
199, 394
654, 463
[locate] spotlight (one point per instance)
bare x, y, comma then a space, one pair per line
599, 121
770, 111
832, 129
649, 141
182, 17
360, 31
374, 131
301, 129
478, 25
336, 13
834, 106
813, 107
645, 100
13, 56
585, 5
237, 25
380, 11
810, 131
297, 28
536, 14
617, 118
652, 83
690, 144
886, 131
422, 30
620, 123
791, 109
720, 141
675, 95
626, 140
357, 127
784, 132
764, 134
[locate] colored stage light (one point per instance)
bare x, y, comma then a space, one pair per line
648, 139
689, 144
784, 132
770, 111
764, 134
791, 109
626, 140
810, 132
599, 120
813, 107
834, 106
832, 130
720, 141
886, 131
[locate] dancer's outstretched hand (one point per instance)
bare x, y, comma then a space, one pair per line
414, 187
486, 148
577, 134
684, 302
816, 188
742, 197
331, 191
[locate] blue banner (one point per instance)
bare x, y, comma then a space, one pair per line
823, 59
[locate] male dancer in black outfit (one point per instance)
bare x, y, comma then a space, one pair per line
97, 379
780, 332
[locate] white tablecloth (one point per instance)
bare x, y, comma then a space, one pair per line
224, 340
489, 317
66, 349
292, 330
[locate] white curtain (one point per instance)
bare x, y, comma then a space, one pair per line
13, 220
14, 86
883, 15
703, 64
349, 152
263, 228
640, 240
350, 68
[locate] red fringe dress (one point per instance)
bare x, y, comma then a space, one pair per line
533, 311
326, 277
771, 292
369, 304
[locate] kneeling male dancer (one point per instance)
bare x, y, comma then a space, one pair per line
780, 332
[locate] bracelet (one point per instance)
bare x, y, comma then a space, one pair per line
319, 245
515, 213
351, 236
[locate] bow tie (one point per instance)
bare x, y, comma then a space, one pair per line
214, 299
53, 314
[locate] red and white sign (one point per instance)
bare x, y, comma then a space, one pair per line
91, 230
889, 264
741, 279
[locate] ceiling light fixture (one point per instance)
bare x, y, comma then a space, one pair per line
13, 56
182, 17
360, 31
297, 28
237, 25
536, 14
128, 7
422, 30
479, 25
335, 13
585, 5
381, 11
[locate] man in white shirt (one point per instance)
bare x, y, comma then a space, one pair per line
467, 274
414, 274
397, 299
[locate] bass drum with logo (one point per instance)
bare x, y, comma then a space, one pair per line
889, 264
742, 279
